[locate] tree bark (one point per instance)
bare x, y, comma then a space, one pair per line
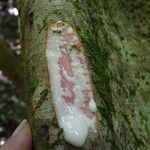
116, 35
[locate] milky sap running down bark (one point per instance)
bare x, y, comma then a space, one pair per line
70, 84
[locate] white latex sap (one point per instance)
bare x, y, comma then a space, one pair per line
70, 84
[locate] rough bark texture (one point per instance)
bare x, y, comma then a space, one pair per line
116, 37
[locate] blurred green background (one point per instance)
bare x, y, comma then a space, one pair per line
12, 104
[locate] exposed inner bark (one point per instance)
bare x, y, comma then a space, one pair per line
70, 83
115, 34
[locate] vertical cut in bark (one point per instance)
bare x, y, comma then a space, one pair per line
116, 36
70, 84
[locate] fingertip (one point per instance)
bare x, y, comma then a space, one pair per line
26, 130
19, 128
22, 140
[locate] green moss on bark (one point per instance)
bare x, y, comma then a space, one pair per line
106, 31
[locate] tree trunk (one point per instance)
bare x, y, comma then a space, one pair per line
115, 35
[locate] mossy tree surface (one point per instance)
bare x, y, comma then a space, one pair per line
116, 36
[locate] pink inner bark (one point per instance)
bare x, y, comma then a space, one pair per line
71, 86
66, 67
